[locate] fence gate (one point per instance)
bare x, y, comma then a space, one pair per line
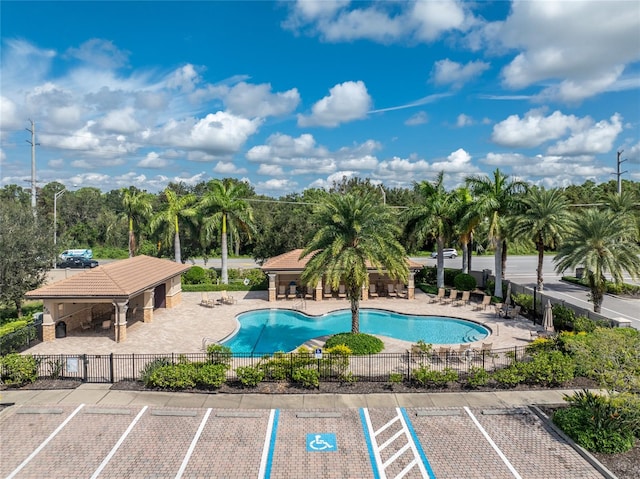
98, 368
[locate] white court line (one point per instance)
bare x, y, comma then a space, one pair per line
493, 444
185, 461
265, 449
46, 441
118, 444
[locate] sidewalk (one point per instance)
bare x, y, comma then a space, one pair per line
100, 394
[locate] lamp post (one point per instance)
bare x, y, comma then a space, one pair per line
56, 195
384, 195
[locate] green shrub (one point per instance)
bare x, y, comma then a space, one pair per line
336, 361
450, 275
109, 252
150, 367
210, 376
510, 376
308, 378
12, 326
219, 354
396, 378
428, 275
464, 282
582, 323
195, 275
173, 377
427, 377
595, 423
541, 344
563, 318
18, 370
358, 343
477, 377
249, 376
548, 368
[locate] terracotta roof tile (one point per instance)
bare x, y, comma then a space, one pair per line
119, 279
290, 261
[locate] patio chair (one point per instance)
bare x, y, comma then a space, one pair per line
226, 299
401, 291
486, 301
499, 309
342, 292
308, 292
85, 324
282, 292
293, 291
372, 291
391, 290
106, 324
442, 354
439, 297
453, 294
327, 291
465, 299
206, 301
514, 313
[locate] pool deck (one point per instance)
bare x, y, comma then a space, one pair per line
183, 329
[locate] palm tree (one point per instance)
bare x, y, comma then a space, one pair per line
495, 200
176, 207
434, 216
465, 224
544, 219
137, 207
602, 242
354, 232
222, 208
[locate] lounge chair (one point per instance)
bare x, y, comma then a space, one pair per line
308, 292
466, 298
372, 291
401, 291
391, 290
282, 292
205, 300
327, 291
486, 301
226, 299
453, 294
293, 291
514, 313
500, 309
342, 292
439, 297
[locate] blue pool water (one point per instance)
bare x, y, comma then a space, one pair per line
270, 330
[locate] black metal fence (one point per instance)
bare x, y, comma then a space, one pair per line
111, 368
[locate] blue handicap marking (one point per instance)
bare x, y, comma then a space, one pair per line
322, 442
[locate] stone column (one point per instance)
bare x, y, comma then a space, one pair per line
319, 289
48, 323
120, 320
365, 292
147, 308
272, 287
411, 287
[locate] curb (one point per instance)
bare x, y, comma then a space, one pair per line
586, 455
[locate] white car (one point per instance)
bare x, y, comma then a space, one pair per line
447, 253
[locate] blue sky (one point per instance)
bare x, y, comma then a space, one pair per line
291, 95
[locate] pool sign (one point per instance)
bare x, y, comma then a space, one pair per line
318, 353
322, 442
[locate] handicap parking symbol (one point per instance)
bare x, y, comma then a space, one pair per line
322, 442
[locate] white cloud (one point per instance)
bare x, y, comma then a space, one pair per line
153, 160
598, 138
449, 72
464, 120
120, 121
276, 187
534, 128
436, 17
270, 170
287, 150
346, 102
503, 159
457, 162
228, 168
419, 118
9, 117
101, 53
184, 78
249, 100
633, 153
585, 45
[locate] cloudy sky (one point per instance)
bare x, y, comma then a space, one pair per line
291, 95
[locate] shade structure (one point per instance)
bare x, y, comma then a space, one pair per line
547, 319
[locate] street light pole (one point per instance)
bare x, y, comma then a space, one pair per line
56, 195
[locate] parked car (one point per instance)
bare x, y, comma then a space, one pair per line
447, 253
77, 263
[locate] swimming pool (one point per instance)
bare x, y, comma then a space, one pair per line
270, 330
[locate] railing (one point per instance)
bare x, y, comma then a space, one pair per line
111, 368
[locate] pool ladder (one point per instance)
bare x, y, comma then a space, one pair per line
206, 342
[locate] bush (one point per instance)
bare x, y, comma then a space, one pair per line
145, 373
510, 376
477, 377
464, 282
596, 423
548, 368
308, 378
173, 377
195, 275
450, 275
219, 354
358, 343
427, 377
210, 376
18, 370
249, 376
563, 318
428, 274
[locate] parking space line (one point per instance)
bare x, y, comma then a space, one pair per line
374, 454
425, 465
187, 456
493, 444
269, 445
115, 448
44, 443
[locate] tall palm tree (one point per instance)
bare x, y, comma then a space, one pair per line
354, 232
223, 209
434, 216
602, 242
465, 224
176, 207
137, 207
543, 219
495, 199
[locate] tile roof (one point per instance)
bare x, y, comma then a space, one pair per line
118, 279
290, 262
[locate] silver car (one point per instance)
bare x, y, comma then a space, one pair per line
447, 253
